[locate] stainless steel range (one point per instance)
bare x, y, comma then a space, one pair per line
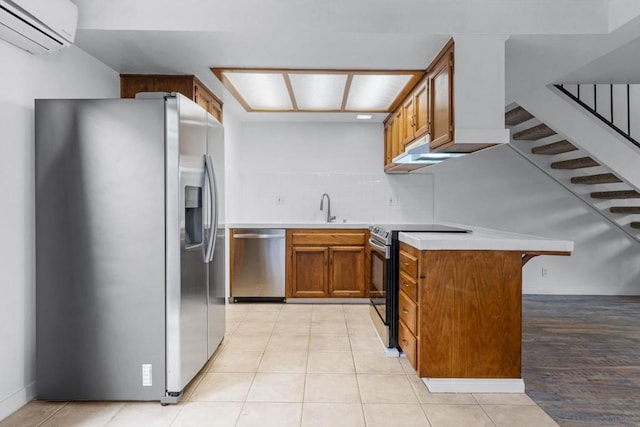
383, 289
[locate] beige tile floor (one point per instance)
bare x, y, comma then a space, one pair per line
298, 365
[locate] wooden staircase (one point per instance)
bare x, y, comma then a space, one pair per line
576, 170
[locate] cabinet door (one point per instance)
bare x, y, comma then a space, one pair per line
387, 143
347, 271
309, 276
408, 122
202, 97
421, 110
441, 85
396, 134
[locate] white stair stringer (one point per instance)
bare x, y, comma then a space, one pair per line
563, 115
563, 176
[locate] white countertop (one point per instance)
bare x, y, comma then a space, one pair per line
484, 239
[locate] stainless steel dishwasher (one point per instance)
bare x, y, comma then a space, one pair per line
258, 265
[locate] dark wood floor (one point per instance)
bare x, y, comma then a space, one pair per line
581, 358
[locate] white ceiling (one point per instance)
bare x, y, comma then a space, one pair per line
550, 38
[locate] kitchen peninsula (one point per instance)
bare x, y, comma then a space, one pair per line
459, 300
460, 306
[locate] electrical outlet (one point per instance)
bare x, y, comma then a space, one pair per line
544, 272
393, 200
280, 201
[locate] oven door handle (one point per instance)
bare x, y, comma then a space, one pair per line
386, 250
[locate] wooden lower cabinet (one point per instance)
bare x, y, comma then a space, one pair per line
468, 314
326, 263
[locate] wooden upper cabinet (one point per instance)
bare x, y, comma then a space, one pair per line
441, 86
387, 143
416, 113
421, 109
397, 136
188, 85
203, 97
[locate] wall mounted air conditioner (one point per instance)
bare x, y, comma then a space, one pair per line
38, 26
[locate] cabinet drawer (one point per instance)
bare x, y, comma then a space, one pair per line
409, 286
408, 311
409, 264
408, 343
351, 238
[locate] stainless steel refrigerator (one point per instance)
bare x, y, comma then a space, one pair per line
130, 246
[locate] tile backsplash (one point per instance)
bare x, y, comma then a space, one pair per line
277, 172
295, 197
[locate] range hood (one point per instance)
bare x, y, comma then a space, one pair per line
419, 153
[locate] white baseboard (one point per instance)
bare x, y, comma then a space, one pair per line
17, 400
473, 385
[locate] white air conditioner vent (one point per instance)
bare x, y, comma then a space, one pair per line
38, 26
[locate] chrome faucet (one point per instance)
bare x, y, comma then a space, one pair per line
329, 217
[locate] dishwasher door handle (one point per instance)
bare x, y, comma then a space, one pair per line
258, 236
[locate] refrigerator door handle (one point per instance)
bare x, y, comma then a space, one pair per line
213, 201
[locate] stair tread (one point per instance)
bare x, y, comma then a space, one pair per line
603, 178
618, 194
516, 116
533, 134
625, 209
559, 147
581, 162
635, 224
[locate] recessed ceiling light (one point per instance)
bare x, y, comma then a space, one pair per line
364, 116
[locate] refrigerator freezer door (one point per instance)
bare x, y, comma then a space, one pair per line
186, 242
100, 259
217, 266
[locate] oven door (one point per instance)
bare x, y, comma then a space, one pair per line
380, 256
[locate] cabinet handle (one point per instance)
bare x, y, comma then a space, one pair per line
405, 311
405, 263
405, 284
405, 341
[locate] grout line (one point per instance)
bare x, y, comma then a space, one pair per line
52, 414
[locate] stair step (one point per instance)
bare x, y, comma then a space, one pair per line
516, 116
621, 194
603, 178
579, 163
635, 224
534, 133
625, 209
559, 147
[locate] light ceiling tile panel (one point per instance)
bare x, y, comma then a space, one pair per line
374, 92
318, 91
262, 91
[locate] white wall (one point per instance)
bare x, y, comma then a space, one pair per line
24, 77
297, 162
497, 188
